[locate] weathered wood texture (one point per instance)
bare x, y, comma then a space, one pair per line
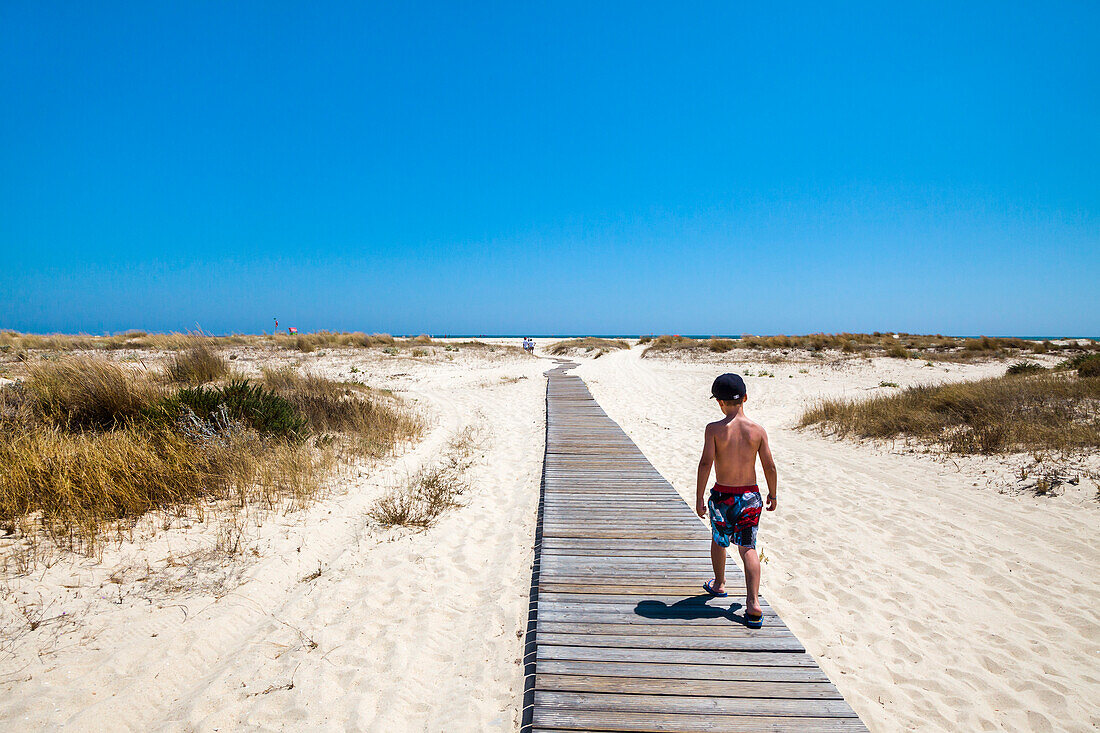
625, 639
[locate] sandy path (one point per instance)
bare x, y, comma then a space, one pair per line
933, 604
401, 630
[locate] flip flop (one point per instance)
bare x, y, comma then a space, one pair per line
709, 588
754, 620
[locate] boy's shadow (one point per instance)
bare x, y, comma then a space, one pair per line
692, 607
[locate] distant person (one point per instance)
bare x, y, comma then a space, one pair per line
731, 446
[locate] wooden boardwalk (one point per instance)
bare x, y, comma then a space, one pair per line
624, 638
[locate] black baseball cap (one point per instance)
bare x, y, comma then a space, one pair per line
728, 387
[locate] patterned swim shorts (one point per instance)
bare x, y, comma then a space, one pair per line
734, 514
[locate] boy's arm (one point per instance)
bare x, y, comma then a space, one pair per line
768, 464
706, 461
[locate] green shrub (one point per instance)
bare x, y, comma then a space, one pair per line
1025, 367
1089, 366
266, 412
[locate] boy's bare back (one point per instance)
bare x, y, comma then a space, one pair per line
737, 441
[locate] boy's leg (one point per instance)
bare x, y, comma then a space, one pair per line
718, 560
751, 561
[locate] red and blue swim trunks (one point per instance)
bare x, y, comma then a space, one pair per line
735, 514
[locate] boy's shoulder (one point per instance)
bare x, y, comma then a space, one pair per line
754, 426
740, 420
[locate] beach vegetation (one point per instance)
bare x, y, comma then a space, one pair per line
1035, 412
261, 409
586, 346
1089, 367
900, 345
84, 393
371, 422
434, 489
1086, 365
195, 358
720, 345
1025, 367
89, 445
199, 363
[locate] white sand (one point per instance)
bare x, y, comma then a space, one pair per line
401, 631
933, 601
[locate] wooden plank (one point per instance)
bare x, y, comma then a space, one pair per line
690, 585
709, 688
643, 564
670, 628
675, 656
713, 623
661, 587
695, 705
618, 545
697, 600
551, 719
747, 643
646, 670
637, 552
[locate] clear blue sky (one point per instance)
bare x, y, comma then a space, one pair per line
551, 167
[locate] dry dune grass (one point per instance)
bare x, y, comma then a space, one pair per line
76, 487
85, 393
199, 354
434, 489
371, 421
14, 342
1015, 413
587, 345
667, 343
1086, 365
308, 342
197, 364
86, 443
901, 346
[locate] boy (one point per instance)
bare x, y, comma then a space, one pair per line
731, 446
